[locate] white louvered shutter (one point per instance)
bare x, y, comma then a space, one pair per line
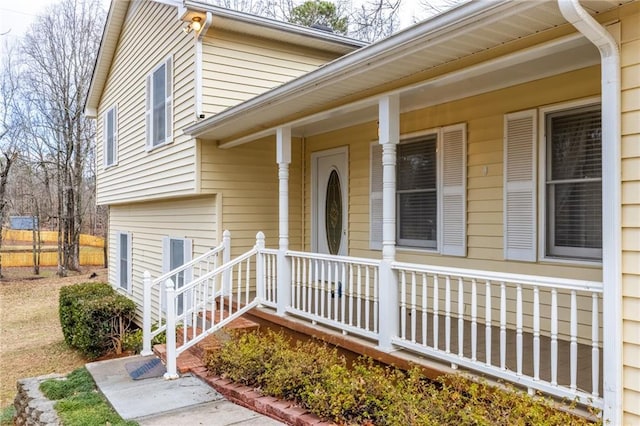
168, 100
520, 186
375, 197
454, 176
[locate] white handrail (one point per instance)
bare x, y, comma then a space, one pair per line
528, 280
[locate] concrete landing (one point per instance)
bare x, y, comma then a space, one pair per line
156, 401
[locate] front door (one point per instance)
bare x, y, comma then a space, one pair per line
330, 202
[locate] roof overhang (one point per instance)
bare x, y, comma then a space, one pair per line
110, 35
347, 90
232, 20
225, 19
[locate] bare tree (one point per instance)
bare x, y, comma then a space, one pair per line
9, 128
375, 19
59, 53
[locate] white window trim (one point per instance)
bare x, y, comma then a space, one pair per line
542, 184
149, 147
106, 165
404, 138
129, 286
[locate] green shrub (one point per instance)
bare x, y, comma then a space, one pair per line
132, 340
94, 318
365, 392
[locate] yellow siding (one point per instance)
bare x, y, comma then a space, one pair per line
484, 117
246, 178
193, 218
238, 67
150, 34
630, 72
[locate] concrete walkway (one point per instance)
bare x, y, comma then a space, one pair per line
155, 401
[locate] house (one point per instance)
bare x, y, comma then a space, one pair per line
467, 189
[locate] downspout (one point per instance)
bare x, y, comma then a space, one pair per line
611, 204
198, 71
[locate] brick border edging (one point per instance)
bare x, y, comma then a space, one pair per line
278, 409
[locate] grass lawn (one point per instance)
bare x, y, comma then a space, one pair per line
31, 342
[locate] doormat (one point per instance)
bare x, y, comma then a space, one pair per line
145, 368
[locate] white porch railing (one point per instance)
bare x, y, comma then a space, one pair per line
338, 291
538, 332
206, 304
154, 292
478, 319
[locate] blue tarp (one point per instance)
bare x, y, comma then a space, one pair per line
23, 222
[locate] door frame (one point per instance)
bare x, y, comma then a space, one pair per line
315, 156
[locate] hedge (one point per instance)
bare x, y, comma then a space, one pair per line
94, 318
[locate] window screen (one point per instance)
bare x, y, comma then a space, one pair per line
416, 191
574, 183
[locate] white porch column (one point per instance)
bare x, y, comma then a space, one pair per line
283, 157
389, 135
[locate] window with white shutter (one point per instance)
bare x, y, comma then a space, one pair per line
520, 186
158, 116
573, 183
123, 263
417, 192
175, 253
110, 136
430, 199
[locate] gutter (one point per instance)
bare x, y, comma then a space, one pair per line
575, 14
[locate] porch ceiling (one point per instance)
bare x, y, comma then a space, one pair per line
345, 91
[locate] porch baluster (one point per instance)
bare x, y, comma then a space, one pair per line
436, 312
447, 314
424, 308
413, 306
460, 317
358, 296
554, 337
309, 284
574, 340
503, 326
316, 285
487, 320
343, 294
474, 320
376, 299
337, 291
323, 293
536, 333
595, 349
403, 305
519, 330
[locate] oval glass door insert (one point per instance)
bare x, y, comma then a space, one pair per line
333, 213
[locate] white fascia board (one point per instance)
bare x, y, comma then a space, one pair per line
110, 34
273, 24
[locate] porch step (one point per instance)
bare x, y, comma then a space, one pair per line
194, 357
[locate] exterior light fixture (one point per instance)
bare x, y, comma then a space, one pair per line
195, 25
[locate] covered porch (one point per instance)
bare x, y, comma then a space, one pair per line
469, 286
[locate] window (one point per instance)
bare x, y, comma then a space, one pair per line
158, 105
430, 191
416, 193
573, 183
123, 265
176, 252
110, 130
